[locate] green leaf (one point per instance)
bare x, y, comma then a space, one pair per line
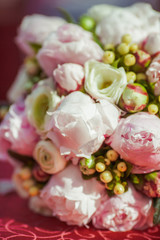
151, 176
27, 160
156, 217
66, 15
35, 46
129, 169
96, 39
116, 63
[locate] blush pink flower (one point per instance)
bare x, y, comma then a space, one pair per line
153, 74
70, 44
137, 140
152, 43
16, 132
69, 76
71, 198
37, 205
34, 29
79, 126
130, 210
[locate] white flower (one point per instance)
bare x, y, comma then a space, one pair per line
103, 81
79, 125
42, 99
48, 157
71, 198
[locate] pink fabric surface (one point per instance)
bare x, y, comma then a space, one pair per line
18, 222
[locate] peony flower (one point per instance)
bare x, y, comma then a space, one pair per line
16, 132
79, 125
48, 157
119, 21
69, 76
130, 210
42, 99
152, 43
17, 89
37, 205
70, 44
137, 140
104, 81
72, 199
153, 73
35, 29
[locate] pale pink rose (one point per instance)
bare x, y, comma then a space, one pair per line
152, 43
137, 140
70, 44
69, 76
16, 132
79, 126
130, 210
153, 74
71, 198
34, 29
37, 205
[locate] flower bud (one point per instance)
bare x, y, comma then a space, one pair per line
112, 155
153, 109
25, 173
108, 57
87, 165
33, 191
87, 22
143, 59
106, 176
134, 98
126, 38
119, 189
123, 48
39, 174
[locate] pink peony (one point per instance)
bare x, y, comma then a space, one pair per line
34, 29
72, 199
69, 76
153, 74
79, 125
16, 133
70, 44
137, 140
124, 212
37, 205
152, 43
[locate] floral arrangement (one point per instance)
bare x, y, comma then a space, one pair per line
83, 127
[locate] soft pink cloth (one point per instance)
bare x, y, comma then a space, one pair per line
137, 140
79, 125
71, 198
34, 29
16, 133
69, 76
70, 44
124, 212
153, 74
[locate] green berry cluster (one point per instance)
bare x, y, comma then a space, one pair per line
109, 169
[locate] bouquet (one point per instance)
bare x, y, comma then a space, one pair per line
82, 129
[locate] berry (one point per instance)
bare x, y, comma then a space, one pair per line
106, 176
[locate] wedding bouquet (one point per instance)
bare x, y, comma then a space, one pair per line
83, 129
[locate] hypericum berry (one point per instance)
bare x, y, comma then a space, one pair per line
112, 155
131, 77
109, 46
87, 165
123, 48
87, 22
25, 173
153, 109
134, 98
126, 38
133, 47
107, 161
122, 167
33, 191
106, 176
129, 60
100, 167
108, 57
119, 189
141, 76
27, 184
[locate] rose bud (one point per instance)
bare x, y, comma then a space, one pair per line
48, 157
143, 59
134, 98
150, 184
39, 174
